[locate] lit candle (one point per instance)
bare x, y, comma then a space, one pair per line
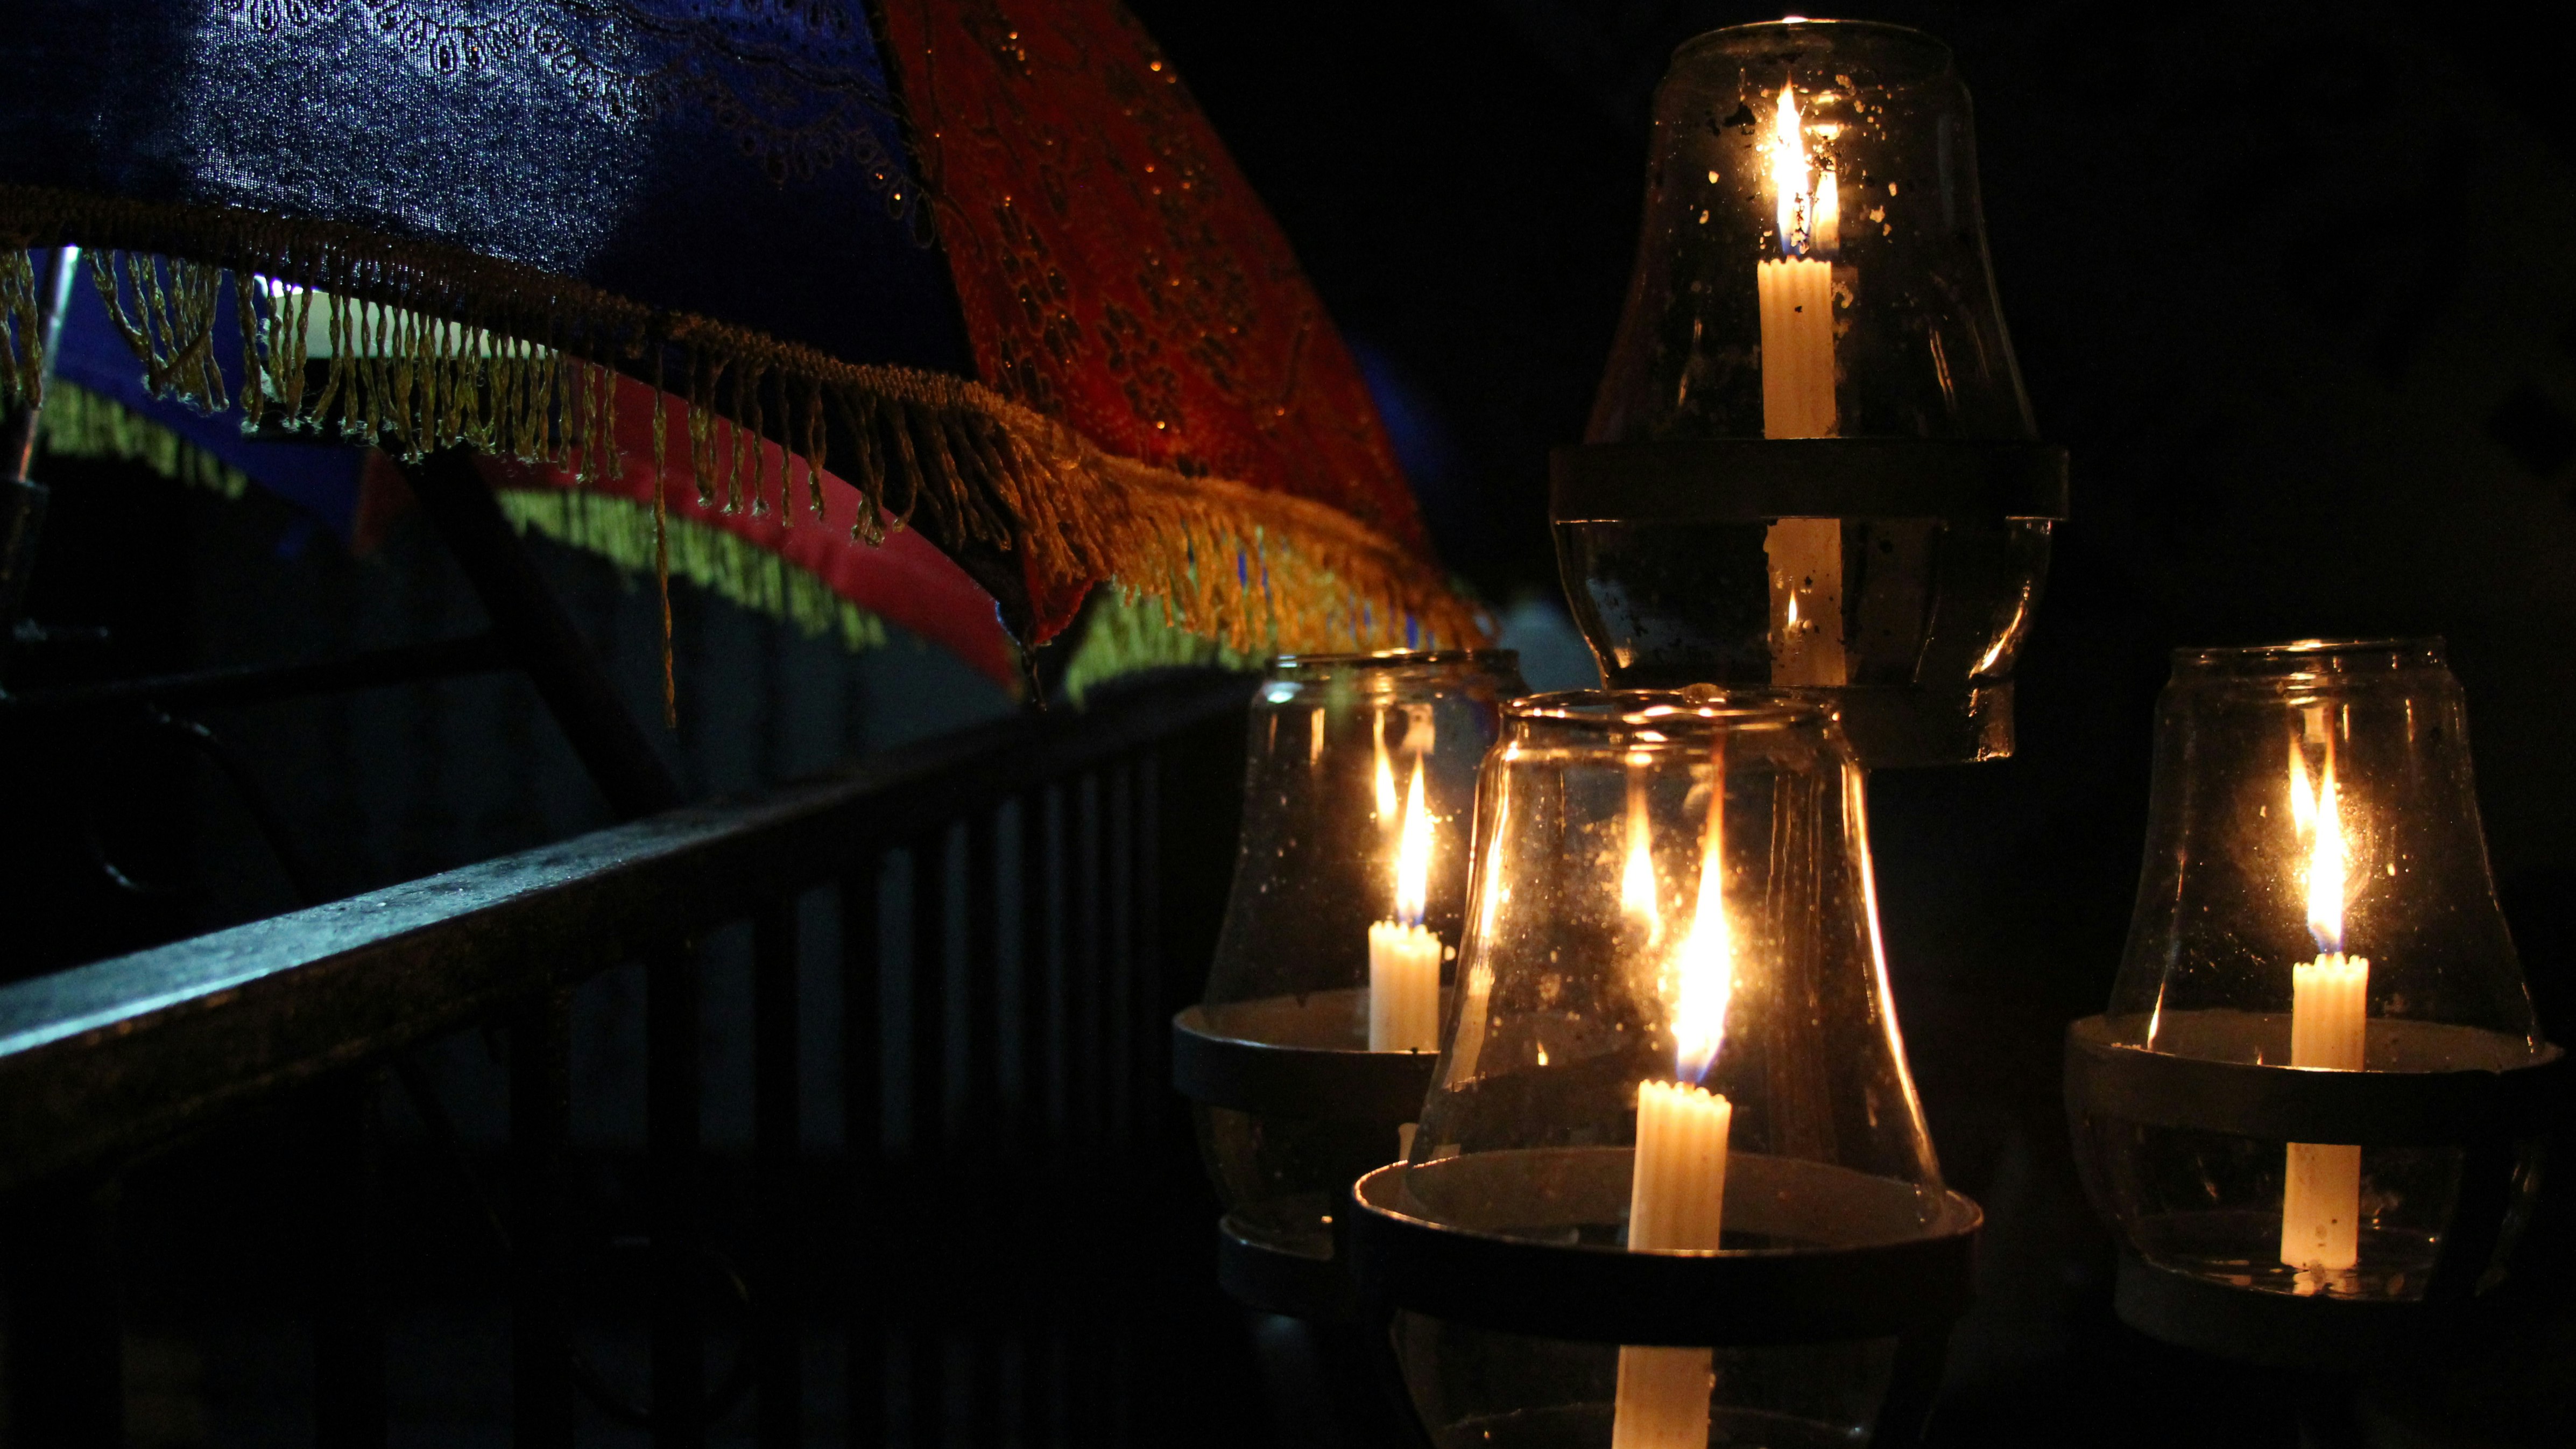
1677, 1191
1797, 308
1404, 957
1637, 874
1797, 294
2329, 1015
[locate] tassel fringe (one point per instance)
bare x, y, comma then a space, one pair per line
415, 347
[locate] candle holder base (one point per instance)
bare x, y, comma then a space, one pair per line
2317, 1334
1549, 1263
1943, 546
1532, 1270
1297, 1056
2451, 1120
1292, 1107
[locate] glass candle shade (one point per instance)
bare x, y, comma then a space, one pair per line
1322, 1012
1810, 462
1674, 1059
2315, 1075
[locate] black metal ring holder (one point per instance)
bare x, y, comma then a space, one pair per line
2495, 1117
1881, 1271
1270, 1058
1937, 688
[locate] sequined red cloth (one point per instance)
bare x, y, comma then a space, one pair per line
1116, 271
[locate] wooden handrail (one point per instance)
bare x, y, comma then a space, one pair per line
106, 1059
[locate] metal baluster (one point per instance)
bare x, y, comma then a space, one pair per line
1086, 920
979, 1002
349, 1410
983, 1007
929, 1008
541, 1383
1059, 1387
1117, 808
1029, 1115
1149, 1070
671, 1091
929, 996
1050, 924
777, 1358
66, 1336
862, 1120
1088, 1011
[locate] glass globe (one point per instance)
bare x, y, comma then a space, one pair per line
1811, 462
2315, 915
1322, 1013
1674, 1047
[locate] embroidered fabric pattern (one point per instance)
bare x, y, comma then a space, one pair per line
794, 80
1115, 270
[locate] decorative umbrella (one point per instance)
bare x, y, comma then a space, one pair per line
993, 269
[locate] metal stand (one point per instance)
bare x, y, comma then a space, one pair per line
1866, 1262
1289, 1061
2495, 1113
1943, 550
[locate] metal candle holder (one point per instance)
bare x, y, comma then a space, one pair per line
2312, 1187
1879, 1272
1945, 550
1315, 1040
1671, 1180
1286, 1059
2496, 1117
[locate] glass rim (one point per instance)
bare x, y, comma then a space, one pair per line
1281, 664
1825, 29
2298, 657
1611, 710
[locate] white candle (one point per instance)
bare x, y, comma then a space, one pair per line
1797, 310
1404, 988
1676, 1199
1404, 956
1797, 298
2329, 1022
1677, 1189
1677, 1196
2321, 1199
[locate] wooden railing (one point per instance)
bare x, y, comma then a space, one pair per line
974, 1259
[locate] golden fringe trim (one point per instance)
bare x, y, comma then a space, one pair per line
78, 423
733, 568
431, 346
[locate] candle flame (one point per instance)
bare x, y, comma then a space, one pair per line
1704, 967
2318, 815
1637, 877
1789, 174
1413, 855
1385, 778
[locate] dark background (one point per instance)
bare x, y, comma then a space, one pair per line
2293, 283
